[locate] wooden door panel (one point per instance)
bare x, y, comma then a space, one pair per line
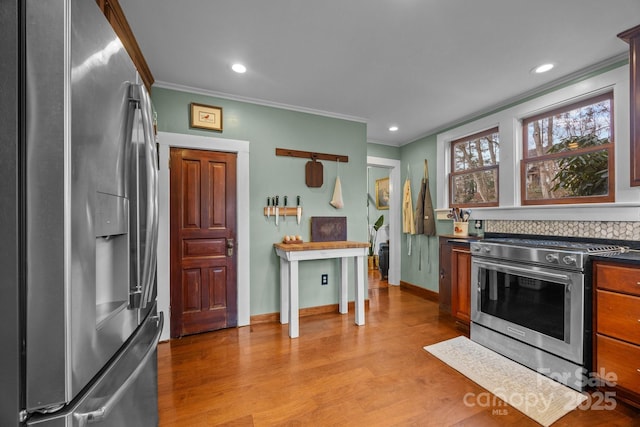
217, 287
202, 248
191, 290
191, 195
217, 208
203, 222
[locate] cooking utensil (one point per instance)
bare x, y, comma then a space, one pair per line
277, 208
298, 211
313, 173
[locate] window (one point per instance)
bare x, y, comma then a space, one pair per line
474, 170
568, 154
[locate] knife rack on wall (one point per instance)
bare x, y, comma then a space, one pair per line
282, 210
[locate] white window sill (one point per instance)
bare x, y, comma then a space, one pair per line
578, 212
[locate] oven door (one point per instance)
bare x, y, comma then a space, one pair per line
539, 306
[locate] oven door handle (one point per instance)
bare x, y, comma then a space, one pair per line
560, 278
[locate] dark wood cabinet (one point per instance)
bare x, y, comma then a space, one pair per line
461, 284
632, 36
454, 284
616, 343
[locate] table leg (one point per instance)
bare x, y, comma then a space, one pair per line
344, 286
293, 300
360, 289
284, 291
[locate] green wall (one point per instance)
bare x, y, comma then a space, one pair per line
384, 151
268, 128
423, 274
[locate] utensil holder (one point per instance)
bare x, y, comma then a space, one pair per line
460, 228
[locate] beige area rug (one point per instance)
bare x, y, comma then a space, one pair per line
535, 395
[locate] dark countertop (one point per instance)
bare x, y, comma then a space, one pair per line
632, 257
464, 240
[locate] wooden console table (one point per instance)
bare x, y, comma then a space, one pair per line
291, 253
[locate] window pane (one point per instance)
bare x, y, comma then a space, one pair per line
569, 130
476, 153
583, 175
475, 187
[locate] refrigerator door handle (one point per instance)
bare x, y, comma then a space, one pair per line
102, 412
151, 234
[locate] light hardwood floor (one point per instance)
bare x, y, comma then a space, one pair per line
335, 374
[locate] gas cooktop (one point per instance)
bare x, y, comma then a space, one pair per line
591, 248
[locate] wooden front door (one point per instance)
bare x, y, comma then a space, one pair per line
203, 238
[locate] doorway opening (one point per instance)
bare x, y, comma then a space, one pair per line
393, 211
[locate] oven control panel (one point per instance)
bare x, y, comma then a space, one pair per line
530, 253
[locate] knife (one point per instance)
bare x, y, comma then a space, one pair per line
298, 210
284, 212
277, 202
268, 207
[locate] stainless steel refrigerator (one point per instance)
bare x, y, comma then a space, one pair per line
78, 222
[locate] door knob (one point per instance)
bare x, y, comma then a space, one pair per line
229, 247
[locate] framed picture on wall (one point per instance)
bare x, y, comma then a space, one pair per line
382, 193
206, 117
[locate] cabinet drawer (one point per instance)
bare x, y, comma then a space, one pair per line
619, 358
618, 278
619, 316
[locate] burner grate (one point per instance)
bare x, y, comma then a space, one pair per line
588, 248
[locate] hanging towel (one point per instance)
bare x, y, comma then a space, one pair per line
425, 220
408, 224
419, 216
429, 223
419, 223
425, 217
337, 201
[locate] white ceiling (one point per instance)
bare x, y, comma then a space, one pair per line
422, 65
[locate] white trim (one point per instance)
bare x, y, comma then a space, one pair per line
394, 214
199, 91
509, 123
166, 141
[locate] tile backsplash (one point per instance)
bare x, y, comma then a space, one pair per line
616, 230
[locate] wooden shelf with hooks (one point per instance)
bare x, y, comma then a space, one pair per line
311, 155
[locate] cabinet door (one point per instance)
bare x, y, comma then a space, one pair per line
632, 36
461, 284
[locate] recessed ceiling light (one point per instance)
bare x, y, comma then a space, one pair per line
542, 68
239, 68
393, 128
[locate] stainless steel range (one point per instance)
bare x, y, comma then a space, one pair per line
531, 302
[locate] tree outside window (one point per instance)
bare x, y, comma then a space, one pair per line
474, 170
568, 154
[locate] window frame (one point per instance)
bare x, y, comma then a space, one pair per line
453, 173
609, 147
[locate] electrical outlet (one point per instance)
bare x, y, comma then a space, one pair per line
325, 279
478, 224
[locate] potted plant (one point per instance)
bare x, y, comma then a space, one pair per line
372, 240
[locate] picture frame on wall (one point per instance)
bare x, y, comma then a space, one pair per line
382, 193
206, 117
